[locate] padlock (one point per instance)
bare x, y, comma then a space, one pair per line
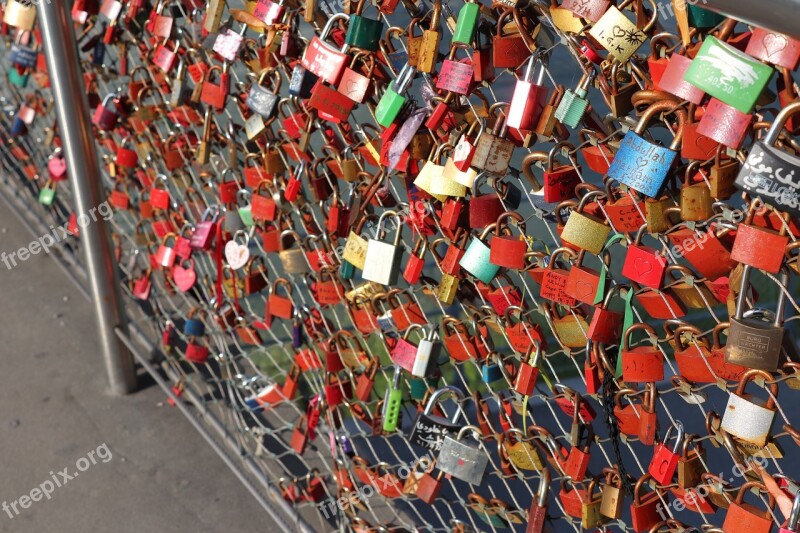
693, 357
772, 47
461, 460
747, 518
752, 342
277, 305
591, 517
747, 417
617, 34
529, 98
690, 465
261, 100
665, 460
537, 513
572, 499
106, 115
429, 429
519, 451
528, 371
47, 194
215, 95
510, 51
583, 283
644, 509
494, 151
584, 230
696, 203
573, 104
393, 403
293, 260
570, 329
165, 255
393, 100
643, 165
709, 69
449, 264
606, 324
363, 33
769, 173
455, 76
476, 260
644, 265
554, 281
613, 497
428, 54
355, 85
321, 59
382, 260
724, 124
508, 251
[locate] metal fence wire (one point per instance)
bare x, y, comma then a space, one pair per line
231, 231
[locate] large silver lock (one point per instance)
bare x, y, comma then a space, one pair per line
747, 417
753, 342
382, 262
429, 430
462, 460
294, 260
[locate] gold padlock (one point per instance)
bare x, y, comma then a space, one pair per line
617, 34
446, 291
20, 15
569, 329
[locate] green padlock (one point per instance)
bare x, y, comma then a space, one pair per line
573, 105
476, 258
703, 19
467, 21
244, 210
362, 32
394, 98
393, 402
20, 80
347, 270
728, 75
48, 193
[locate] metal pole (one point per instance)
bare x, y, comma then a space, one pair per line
782, 16
72, 109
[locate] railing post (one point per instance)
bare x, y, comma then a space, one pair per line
72, 109
778, 15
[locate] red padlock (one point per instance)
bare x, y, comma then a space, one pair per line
506, 250
528, 371
642, 364
665, 460
644, 265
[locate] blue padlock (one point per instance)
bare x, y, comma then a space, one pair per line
193, 326
476, 258
643, 165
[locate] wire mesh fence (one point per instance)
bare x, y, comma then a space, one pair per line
299, 360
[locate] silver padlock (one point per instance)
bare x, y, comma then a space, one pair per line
294, 260
232, 221
753, 342
382, 262
427, 353
461, 460
747, 417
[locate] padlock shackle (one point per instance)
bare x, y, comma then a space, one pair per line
444, 391
780, 121
741, 298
